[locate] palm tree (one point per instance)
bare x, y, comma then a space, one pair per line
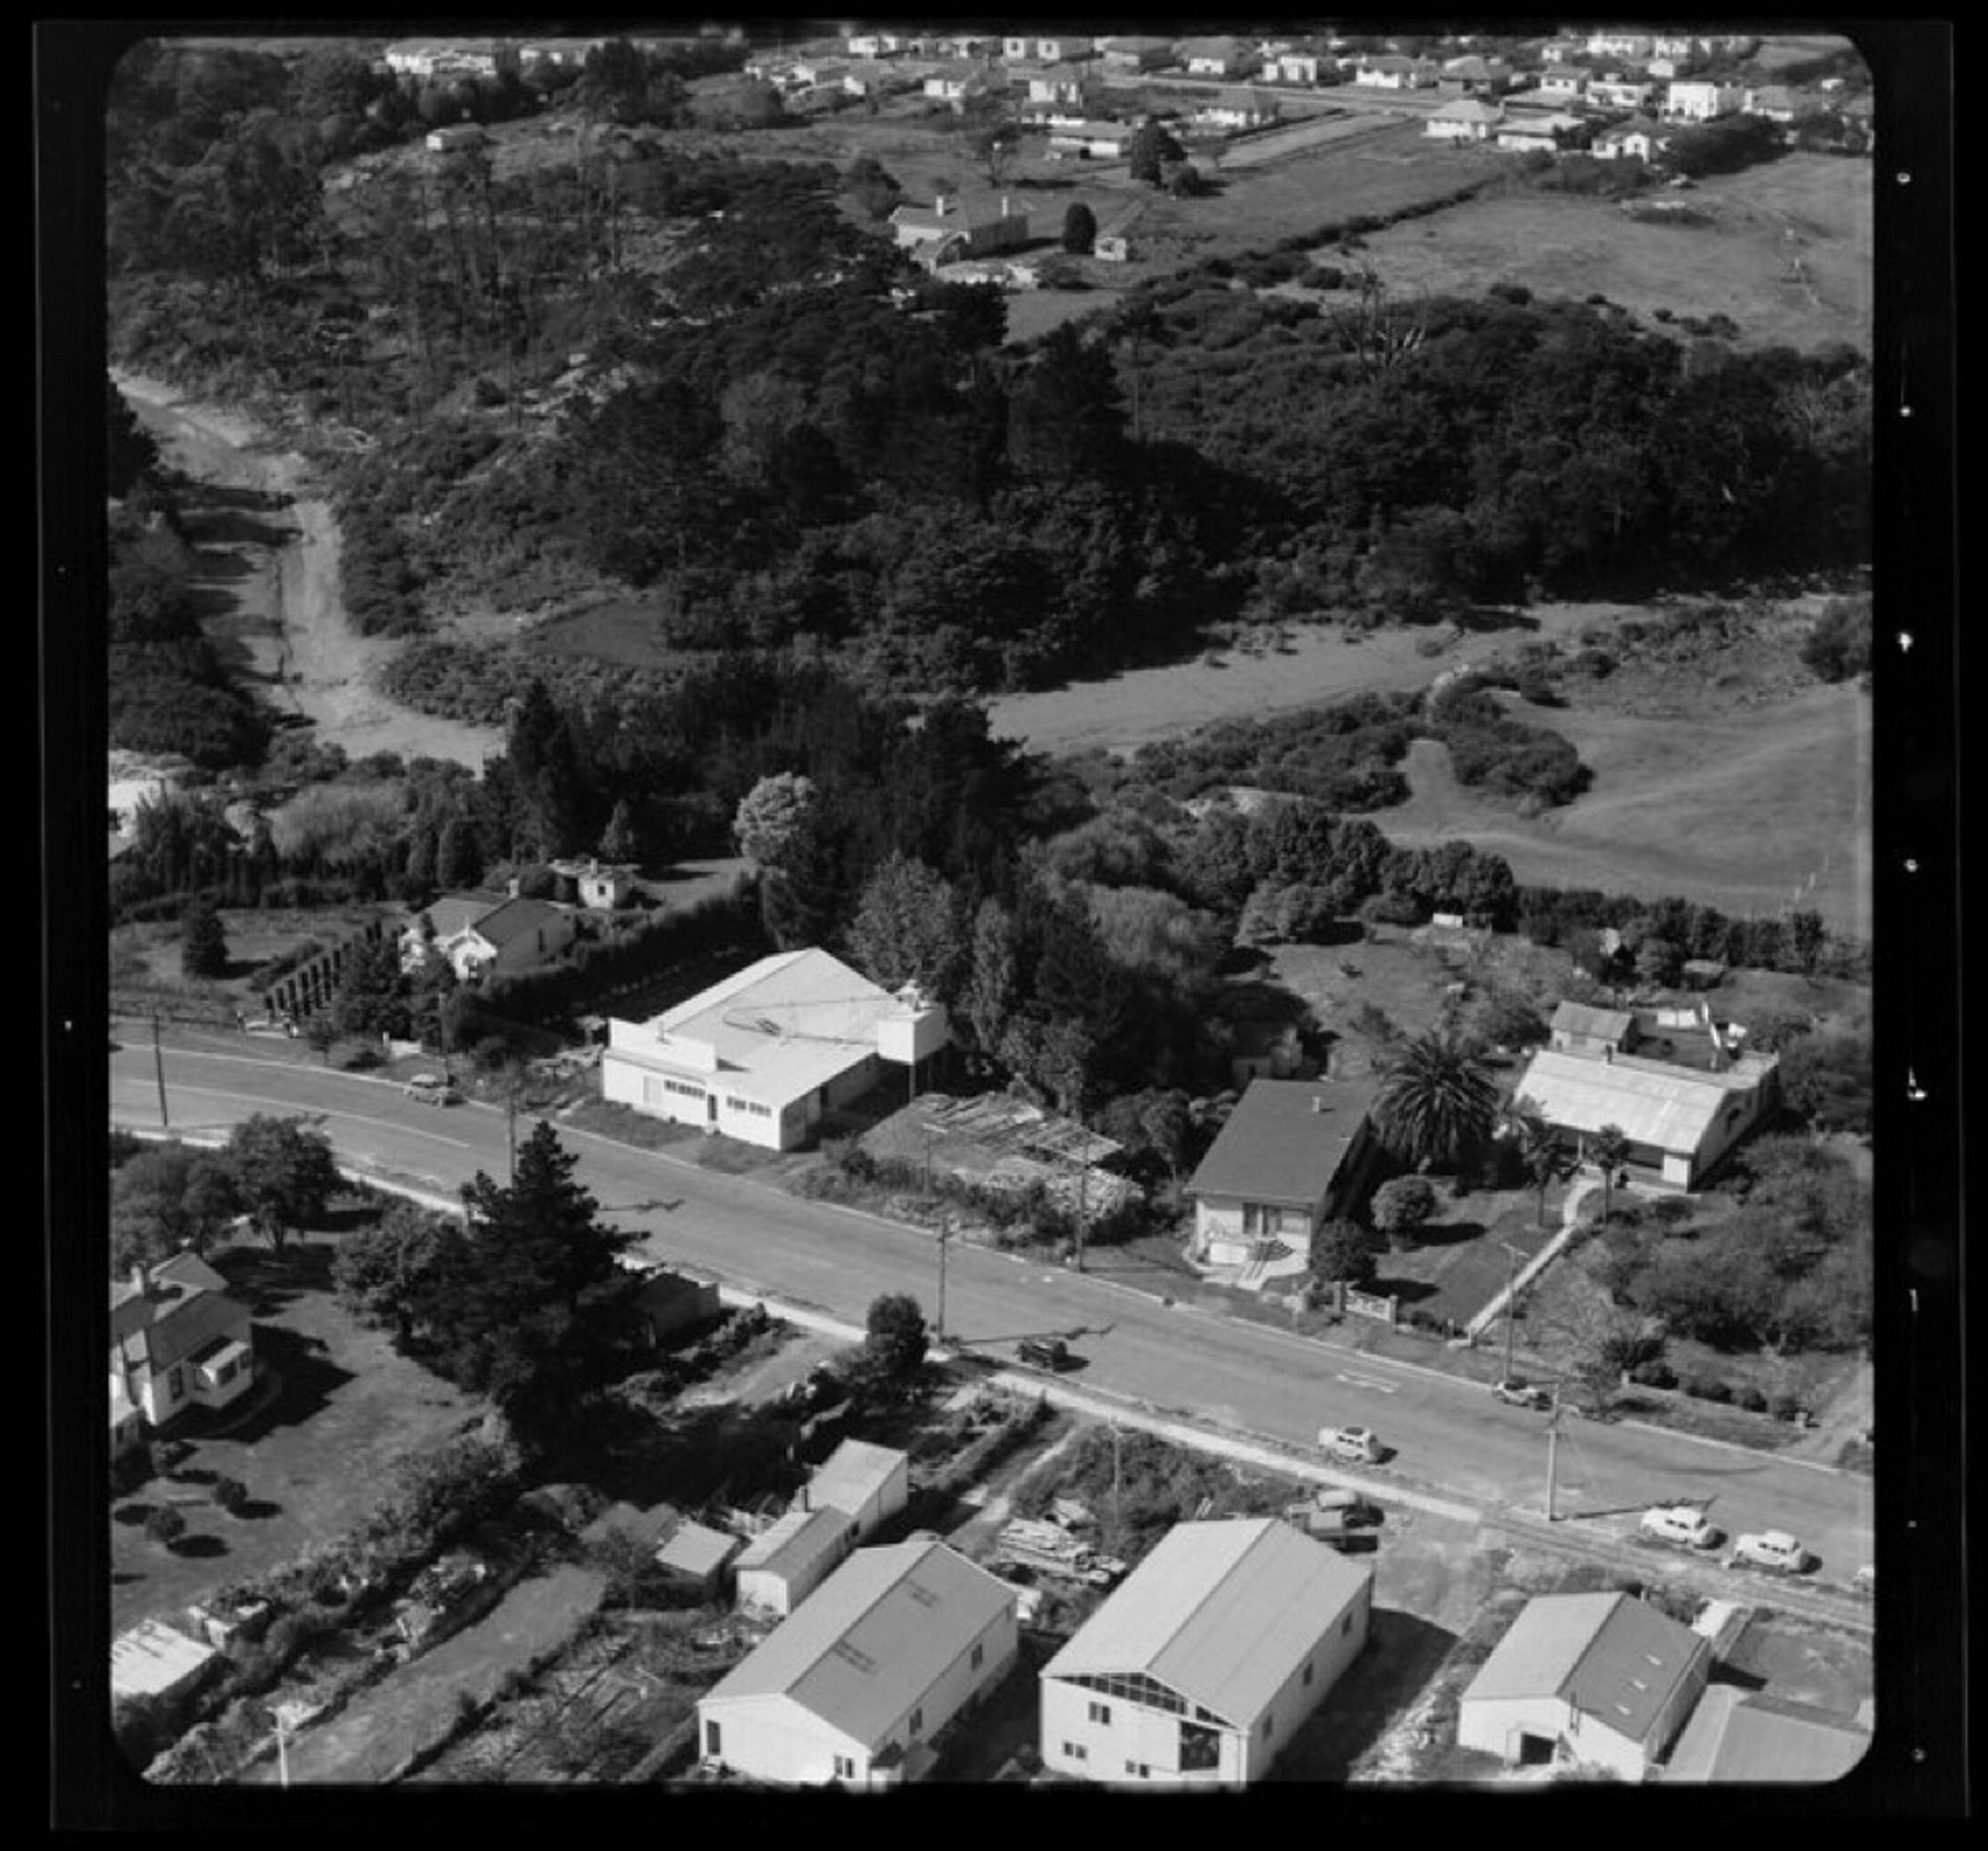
1436, 1101
1540, 1148
1609, 1147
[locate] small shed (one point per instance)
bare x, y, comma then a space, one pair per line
698, 1555
869, 1484
787, 1562
670, 1302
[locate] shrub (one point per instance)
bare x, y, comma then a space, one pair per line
1752, 1399
227, 1494
1785, 1407
1654, 1375
165, 1524
1707, 1387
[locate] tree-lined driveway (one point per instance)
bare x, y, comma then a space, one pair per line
1136, 1351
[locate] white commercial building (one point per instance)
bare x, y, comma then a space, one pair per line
868, 1485
1200, 1668
865, 1683
763, 1055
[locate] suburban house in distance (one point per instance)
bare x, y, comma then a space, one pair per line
1202, 1665
863, 1684
765, 1053
483, 933
1680, 1121
1294, 1153
951, 228
177, 1341
1580, 1028
1594, 1680
1464, 119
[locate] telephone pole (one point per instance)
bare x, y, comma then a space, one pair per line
945, 1236
1552, 1454
159, 1071
1511, 1302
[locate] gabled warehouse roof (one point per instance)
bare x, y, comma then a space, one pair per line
1221, 1613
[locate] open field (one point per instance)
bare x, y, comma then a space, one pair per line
1749, 811
1789, 254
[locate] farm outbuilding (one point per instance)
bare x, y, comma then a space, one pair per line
786, 1561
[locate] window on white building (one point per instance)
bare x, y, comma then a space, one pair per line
1075, 1751
845, 1768
979, 1652
1101, 1713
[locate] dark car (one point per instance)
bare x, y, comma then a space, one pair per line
1045, 1353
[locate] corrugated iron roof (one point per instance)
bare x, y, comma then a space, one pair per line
1586, 1019
1609, 1655
1669, 1108
1749, 1736
793, 1544
854, 1473
874, 1637
1278, 1146
1222, 1612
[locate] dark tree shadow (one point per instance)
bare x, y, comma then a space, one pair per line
199, 1548
308, 1381
1408, 1291
132, 1514
1448, 1233
256, 1509
1402, 1656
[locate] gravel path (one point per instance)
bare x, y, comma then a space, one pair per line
329, 670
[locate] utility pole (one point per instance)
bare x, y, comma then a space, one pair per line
159, 1069
510, 1127
1553, 1455
1511, 1303
945, 1236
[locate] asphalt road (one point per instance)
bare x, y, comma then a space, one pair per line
1171, 1363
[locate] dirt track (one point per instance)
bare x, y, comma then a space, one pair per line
327, 669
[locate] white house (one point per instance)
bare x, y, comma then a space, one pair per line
868, 1678
789, 1559
1292, 1154
1393, 72
1563, 81
1619, 44
1549, 133
1699, 102
1620, 92
763, 1055
1205, 1661
1098, 141
954, 226
868, 1485
1639, 139
1290, 68
479, 933
457, 138
1134, 54
598, 886
1064, 48
1064, 83
1240, 113
1592, 1680
1213, 58
1775, 101
443, 58
177, 1341
1464, 119
1680, 1121
1585, 1029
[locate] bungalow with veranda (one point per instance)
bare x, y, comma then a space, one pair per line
1294, 1153
177, 1341
480, 933
1681, 1121
763, 1055
1202, 1666
1464, 119
866, 1681
1586, 1680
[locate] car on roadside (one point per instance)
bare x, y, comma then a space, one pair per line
1359, 1444
1516, 1394
1049, 1353
1680, 1523
1865, 1581
1771, 1549
432, 1089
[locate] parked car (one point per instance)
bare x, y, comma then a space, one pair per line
431, 1089
1865, 1581
1049, 1353
1771, 1549
1517, 1394
1680, 1523
1361, 1444
1357, 1510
